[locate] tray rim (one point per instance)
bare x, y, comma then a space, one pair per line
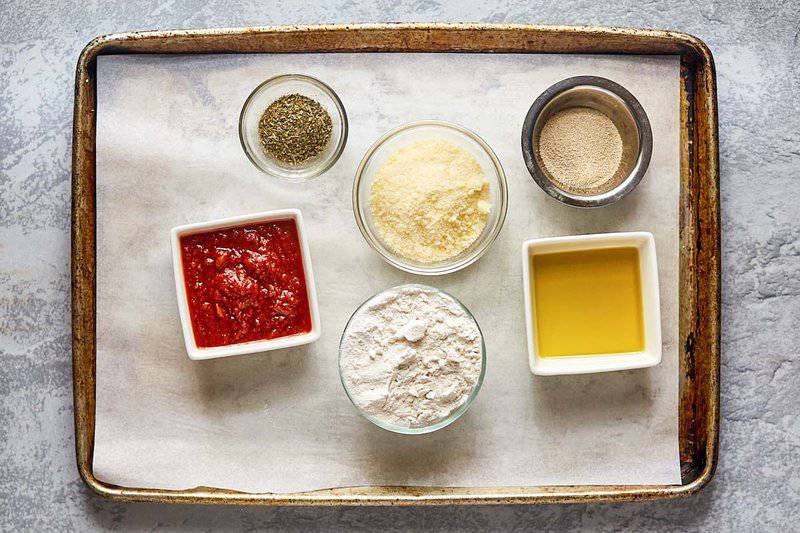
699, 162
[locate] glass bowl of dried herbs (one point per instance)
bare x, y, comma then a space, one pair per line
293, 127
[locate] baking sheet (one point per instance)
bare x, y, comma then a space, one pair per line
168, 153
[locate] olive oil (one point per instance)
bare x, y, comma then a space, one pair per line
587, 302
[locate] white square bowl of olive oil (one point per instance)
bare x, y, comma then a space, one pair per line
591, 303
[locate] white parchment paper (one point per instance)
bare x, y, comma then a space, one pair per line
168, 153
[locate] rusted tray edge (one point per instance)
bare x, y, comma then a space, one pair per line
701, 169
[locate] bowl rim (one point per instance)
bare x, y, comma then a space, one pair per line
325, 164
452, 417
645, 142
256, 346
442, 267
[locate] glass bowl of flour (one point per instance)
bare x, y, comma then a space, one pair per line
412, 359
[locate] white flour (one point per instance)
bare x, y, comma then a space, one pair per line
411, 356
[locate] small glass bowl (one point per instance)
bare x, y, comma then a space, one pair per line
407, 134
452, 417
268, 92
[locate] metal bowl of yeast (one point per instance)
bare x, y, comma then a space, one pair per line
587, 141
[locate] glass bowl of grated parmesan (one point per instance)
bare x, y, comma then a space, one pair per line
430, 197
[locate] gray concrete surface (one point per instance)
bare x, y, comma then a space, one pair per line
757, 487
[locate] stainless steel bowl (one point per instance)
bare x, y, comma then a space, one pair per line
616, 103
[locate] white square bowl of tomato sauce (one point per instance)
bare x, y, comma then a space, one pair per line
238, 291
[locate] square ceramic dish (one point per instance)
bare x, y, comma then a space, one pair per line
195, 352
585, 364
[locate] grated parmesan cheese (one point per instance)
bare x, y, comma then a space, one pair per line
430, 201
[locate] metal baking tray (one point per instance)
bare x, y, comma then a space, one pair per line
699, 321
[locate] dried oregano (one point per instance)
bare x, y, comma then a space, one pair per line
294, 129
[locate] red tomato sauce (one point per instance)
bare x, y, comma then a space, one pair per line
245, 283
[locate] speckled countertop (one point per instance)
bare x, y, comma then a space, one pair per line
755, 44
